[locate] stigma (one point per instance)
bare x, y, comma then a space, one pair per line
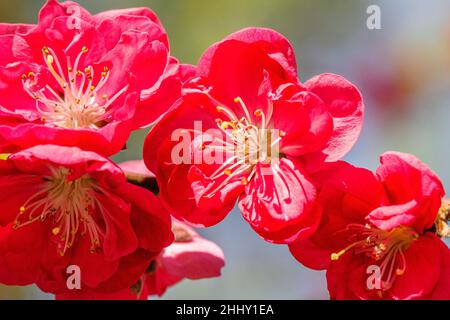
386, 248
78, 101
68, 205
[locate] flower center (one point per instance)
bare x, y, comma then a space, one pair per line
68, 203
385, 247
247, 141
76, 103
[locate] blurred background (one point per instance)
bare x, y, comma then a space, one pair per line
403, 71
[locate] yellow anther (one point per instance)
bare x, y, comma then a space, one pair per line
56, 230
282, 133
244, 181
84, 49
227, 172
43, 119
92, 88
4, 156
258, 113
336, 256
22, 210
219, 109
49, 59
70, 69
237, 100
399, 272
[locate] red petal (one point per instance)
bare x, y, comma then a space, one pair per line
235, 66
108, 140
151, 222
442, 288
157, 100
129, 271
345, 104
196, 258
120, 238
183, 182
21, 251
347, 194
407, 180
313, 124
280, 198
95, 267
158, 282
423, 269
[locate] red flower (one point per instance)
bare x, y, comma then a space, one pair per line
63, 206
189, 257
380, 223
250, 105
75, 79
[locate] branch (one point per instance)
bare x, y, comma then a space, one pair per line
143, 181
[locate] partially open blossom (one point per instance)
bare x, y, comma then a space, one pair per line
254, 133
76, 79
61, 207
189, 257
377, 238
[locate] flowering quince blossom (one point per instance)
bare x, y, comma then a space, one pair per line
77, 79
189, 257
63, 206
384, 220
264, 130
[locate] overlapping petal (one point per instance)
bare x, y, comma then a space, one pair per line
117, 55
121, 229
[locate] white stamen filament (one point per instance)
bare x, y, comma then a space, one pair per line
75, 104
385, 246
69, 203
246, 140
